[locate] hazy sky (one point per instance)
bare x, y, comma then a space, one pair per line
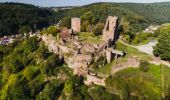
75, 2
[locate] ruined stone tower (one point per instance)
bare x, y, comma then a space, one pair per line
76, 24
110, 29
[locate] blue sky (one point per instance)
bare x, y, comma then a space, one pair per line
49, 3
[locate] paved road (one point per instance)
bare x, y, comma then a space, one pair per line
147, 48
143, 48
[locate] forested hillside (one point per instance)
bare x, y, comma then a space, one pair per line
19, 18
16, 17
28, 71
139, 15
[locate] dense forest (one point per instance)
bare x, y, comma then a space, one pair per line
16, 17
138, 15
19, 18
28, 71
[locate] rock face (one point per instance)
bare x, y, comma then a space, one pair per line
76, 24
51, 43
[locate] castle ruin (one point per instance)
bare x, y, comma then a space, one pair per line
110, 30
109, 36
79, 55
76, 24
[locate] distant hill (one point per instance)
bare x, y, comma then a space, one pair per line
15, 16
140, 15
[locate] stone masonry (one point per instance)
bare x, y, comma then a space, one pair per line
79, 55
110, 29
76, 24
109, 34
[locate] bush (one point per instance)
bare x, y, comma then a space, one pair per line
141, 37
30, 72
84, 26
31, 44
66, 22
162, 47
144, 66
98, 29
53, 30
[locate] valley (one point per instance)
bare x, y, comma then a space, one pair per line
100, 51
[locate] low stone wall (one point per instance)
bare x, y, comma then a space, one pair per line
131, 62
94, 80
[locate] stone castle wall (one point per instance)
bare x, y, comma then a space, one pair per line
110, 28
76, 24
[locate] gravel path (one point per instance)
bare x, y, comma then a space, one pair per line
148, 49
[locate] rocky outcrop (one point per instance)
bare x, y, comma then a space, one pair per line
51, 43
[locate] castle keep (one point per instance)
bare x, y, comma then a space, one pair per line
76, 24
109, 36
110, 29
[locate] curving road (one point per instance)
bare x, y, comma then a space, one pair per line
148, 49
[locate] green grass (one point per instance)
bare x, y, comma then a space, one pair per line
89, 38
147, 84
132, 51
105, 70
145, 41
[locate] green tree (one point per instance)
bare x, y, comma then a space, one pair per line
88, 16
144, 66
125, 25
24, 29
66, 22
52, 30
31, 44
51, 63
162, 48
99, 93
84, 26
98, 29
14, 89
68, 87
30, 72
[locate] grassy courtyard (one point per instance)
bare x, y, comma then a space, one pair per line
89, 38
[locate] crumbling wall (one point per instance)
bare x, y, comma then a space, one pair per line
110, 29
131, 62
94, 80
76, 24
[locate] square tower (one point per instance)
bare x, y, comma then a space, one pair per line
76, 24
110, 28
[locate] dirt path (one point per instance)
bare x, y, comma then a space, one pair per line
156, 60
